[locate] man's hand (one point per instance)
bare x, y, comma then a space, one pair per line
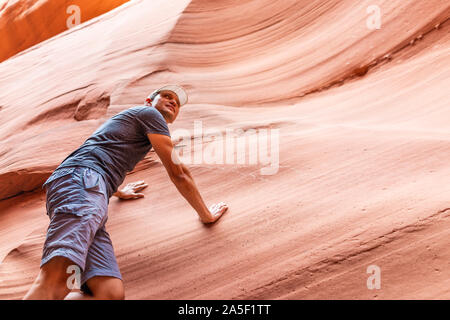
131, 189
216, 210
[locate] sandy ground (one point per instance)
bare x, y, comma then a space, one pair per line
359, 157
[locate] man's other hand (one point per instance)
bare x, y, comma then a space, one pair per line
131, 189
216, 210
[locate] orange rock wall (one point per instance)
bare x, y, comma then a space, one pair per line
25, 23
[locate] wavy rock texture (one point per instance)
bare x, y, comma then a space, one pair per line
24, 23
363, 146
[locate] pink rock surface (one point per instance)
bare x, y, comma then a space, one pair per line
364, 144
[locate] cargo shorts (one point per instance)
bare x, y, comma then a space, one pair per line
77, 205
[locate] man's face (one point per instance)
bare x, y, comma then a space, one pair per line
167, 103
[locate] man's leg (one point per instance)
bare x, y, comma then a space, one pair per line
66, 246
102, 288
101, 278
77, 208
51, 283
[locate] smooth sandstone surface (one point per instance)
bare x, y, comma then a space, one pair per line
363, 140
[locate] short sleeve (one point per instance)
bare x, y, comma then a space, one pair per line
152, 121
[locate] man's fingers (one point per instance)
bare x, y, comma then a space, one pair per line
137, 186
218, 209
138, 195
136, 183
140, 187
222, 210
218, 206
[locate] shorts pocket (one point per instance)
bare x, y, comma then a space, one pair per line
91, 180
80, 193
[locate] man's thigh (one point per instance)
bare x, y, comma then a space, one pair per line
77, 210
101, 262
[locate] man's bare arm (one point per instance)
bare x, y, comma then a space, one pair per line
182, 179
186, 170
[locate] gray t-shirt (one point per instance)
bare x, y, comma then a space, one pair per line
119, 144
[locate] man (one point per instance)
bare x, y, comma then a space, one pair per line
78, 194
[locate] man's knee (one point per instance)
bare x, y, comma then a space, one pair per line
116, 294
106, 288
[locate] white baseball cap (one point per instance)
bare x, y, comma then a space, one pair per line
178, 90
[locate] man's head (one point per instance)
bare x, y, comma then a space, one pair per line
168, 101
